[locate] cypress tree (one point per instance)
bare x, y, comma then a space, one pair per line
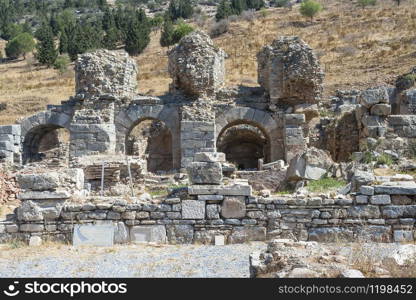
63, 43
137, 36
166, 37
46, 52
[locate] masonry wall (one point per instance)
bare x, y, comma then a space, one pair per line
199, 218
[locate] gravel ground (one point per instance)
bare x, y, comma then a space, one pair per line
127, 261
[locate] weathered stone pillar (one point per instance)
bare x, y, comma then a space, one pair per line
295, 143
289, 72
196, 66
103, 78
196, 136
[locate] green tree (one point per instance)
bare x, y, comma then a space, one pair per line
46, 51
11, 31
63, 43
20, 45
310, 8
238, 6
166, 37
180, 9
181, 30
224, 10
137, 36
111, 38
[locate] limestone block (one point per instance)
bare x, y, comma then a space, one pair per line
242, 234
330, 234
233, 208
373, 96
193, 209
380, 199
210, 157
180, 234
225, 190
381, 109
148, 234
205, 173
44, 195
93, 234
121, 233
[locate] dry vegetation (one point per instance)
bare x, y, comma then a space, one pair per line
357, 48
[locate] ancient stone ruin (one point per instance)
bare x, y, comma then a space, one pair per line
96, 164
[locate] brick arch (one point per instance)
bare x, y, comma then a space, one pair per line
134, 114
261, 119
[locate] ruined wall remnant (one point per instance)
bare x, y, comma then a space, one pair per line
105, 72
196, 65
289, 71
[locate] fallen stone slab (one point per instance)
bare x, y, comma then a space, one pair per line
93, 235
45, 195
225, 190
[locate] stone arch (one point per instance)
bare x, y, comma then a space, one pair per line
127, 119
39, 130
244, 144
271, 127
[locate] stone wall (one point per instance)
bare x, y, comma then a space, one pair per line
10, 149
232, 212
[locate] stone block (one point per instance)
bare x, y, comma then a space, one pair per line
364, 211
148, 234
32, 227
210, 197
242, 234
210, 157
213, 211
233, 208
381, 109
39, 182
330, 234
361, 199
93, 235
408, 188
205, 173
121, 233
402, 236
367, 190
180, 234
193, 209
225, 190
380, 199
44, 195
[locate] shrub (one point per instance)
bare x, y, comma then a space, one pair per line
385, 159
364, 3
325, 184
219, 28
310, 8
61, 63
406, 81
181, 30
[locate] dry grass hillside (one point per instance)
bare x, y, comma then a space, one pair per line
357, 48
